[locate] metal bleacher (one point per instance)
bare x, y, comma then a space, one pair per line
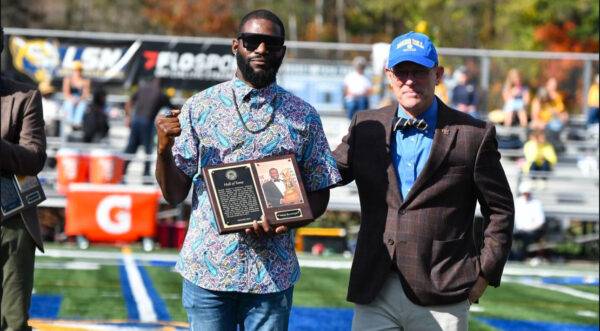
569, 192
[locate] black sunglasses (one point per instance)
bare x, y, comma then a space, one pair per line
251, 41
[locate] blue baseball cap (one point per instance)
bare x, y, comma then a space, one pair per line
414, 47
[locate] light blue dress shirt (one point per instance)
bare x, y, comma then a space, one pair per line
411, 148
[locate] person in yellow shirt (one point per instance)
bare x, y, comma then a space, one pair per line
592, 103
548, 109
539, 154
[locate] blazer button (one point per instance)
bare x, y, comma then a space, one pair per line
390, 241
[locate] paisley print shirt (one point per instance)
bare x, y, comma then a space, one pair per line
212, 132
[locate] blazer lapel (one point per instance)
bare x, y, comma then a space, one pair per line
444, 135
6, 114
394, 198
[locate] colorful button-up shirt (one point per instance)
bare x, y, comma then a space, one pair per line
213, 132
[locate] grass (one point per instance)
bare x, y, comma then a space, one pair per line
519, 302
87, 294
168, 286
96, 294
322, 288
586, 288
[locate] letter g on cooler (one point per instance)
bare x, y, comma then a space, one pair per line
113, 214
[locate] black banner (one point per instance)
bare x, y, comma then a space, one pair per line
191, 66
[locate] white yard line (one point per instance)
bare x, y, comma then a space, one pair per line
140, 295
553, 287
68, 253
324, 264
509, 270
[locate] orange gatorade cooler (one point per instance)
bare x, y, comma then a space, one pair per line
106, 167
72, 167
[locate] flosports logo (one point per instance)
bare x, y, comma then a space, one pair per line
188, 65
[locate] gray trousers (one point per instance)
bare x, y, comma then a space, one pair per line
393, 311
17, 255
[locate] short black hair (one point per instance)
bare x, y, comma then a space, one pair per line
264, 14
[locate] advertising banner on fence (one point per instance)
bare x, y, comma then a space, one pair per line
121, 62
111, 213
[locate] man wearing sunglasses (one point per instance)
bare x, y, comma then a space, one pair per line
242, 279
420, 168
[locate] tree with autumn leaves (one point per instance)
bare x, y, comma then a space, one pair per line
552, 25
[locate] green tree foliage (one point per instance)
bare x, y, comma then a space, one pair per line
564, 25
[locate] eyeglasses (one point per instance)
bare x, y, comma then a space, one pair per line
251, 41
414, 73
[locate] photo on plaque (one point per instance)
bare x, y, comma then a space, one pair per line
279, 182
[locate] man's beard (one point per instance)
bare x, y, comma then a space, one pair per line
260, 78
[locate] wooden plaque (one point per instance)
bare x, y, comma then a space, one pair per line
19, 193
242, 192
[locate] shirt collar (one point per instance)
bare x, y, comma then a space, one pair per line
244, 92
430, 115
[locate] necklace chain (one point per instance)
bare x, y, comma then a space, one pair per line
237, 109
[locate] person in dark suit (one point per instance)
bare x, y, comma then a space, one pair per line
420, 169
274, 189
23, 150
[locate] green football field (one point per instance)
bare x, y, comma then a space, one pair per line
91, 288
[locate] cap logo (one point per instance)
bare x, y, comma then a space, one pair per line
410, 44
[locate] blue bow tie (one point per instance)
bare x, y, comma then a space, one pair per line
401, 123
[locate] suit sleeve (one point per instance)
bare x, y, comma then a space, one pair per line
497, 207
27, 157
270, 195
343, 154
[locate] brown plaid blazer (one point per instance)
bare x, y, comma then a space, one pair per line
429, 235
23, 143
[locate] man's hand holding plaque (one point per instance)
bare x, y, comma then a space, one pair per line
264, 228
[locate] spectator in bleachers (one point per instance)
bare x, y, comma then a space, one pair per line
539, 154
76, 92
52, 113
547, 108
95, 120
529, 221
140, 110
464, 95
443, 90
592, 103
357, 88
516, 98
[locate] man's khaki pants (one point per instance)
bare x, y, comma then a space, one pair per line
17, 254
393, 311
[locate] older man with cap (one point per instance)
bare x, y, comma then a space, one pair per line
420, 169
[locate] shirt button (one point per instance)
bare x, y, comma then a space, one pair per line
402, 212
390, 242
